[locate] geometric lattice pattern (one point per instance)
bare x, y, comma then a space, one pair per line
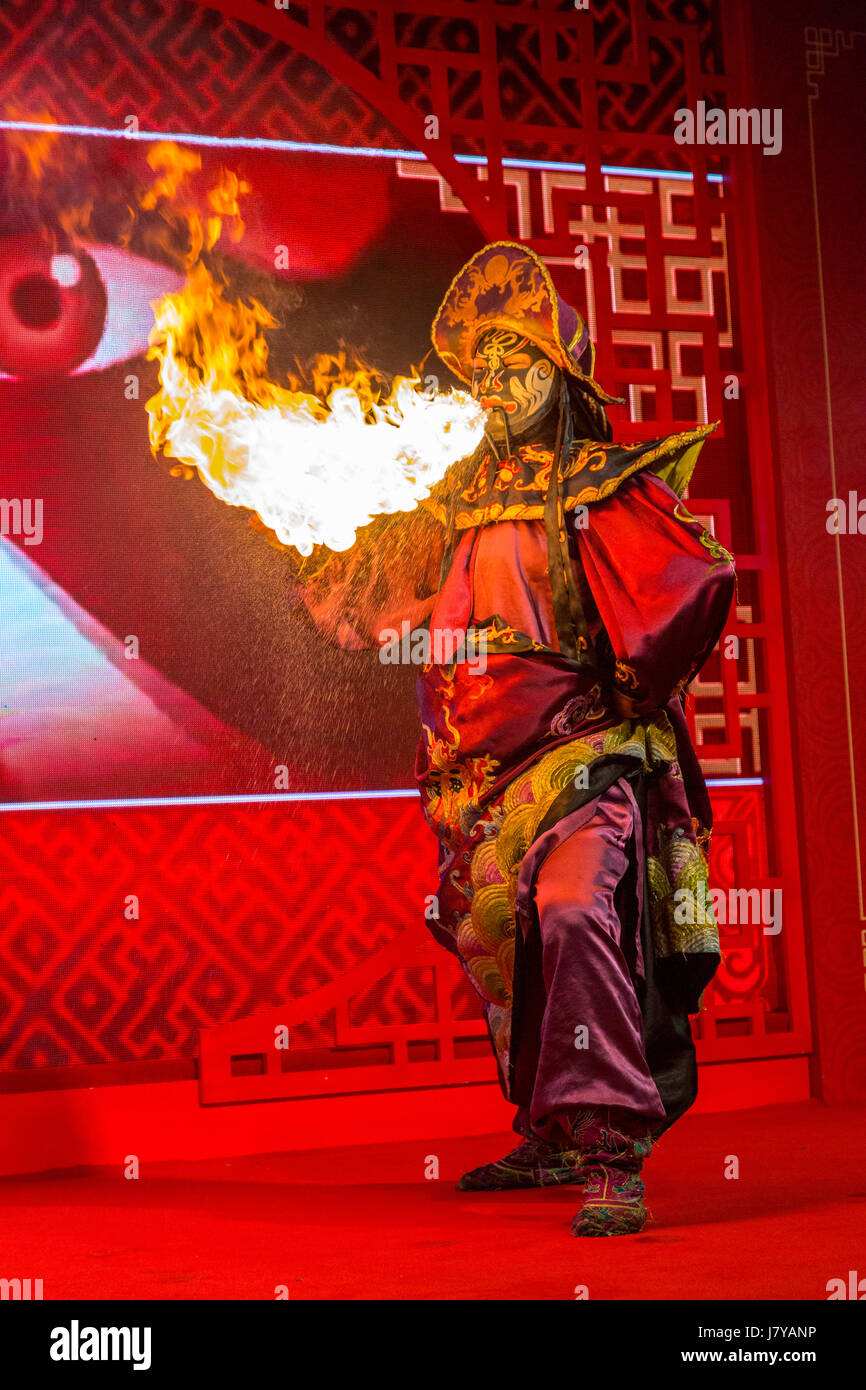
238, 909
310, 910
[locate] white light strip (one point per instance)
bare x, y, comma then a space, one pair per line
735, 781
265, 798
361, 151
241, 799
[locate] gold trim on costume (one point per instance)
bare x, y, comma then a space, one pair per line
588, 456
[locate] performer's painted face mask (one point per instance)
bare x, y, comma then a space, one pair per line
514, 380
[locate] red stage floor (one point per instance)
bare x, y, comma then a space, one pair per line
364, 1223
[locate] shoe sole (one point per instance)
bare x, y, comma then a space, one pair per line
570, 1181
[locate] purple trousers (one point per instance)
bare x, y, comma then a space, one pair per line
579, 885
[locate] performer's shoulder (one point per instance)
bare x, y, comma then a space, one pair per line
595, 471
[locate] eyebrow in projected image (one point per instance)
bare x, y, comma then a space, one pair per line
146, 643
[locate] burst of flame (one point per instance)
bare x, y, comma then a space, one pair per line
315, 468
35, 149
172, 167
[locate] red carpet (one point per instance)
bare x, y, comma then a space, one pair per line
364, 1223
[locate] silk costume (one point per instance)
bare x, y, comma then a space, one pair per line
561, 781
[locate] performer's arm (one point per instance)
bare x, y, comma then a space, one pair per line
388, 577
663, 588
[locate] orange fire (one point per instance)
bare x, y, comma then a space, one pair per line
315, 466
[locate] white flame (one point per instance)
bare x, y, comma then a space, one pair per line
317, 481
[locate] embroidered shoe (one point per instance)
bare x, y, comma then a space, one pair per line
533, 1163
612, 1204
613, 1146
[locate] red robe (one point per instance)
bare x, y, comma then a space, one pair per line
561, 783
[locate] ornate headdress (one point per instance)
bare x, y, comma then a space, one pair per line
505, 285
